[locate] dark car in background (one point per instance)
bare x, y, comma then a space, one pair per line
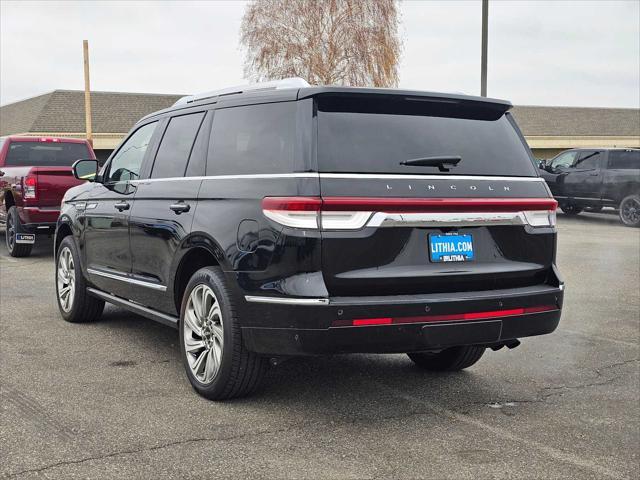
282, 220
35, 173
594, 178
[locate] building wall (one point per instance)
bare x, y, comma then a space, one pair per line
546, 153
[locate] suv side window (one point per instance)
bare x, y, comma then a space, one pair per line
126, 163
588, 160
564, 160
253, 139
624, 159
176, 146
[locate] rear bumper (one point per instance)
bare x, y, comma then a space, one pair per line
281, 329
35, 217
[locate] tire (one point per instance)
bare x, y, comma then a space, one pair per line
571, 209
217, 363
449, 360
13, 227
630, 211
76, 306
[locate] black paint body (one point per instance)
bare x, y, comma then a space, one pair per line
374, 272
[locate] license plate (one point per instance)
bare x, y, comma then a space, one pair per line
25, 238
451, 248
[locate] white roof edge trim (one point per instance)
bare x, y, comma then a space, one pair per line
293, 82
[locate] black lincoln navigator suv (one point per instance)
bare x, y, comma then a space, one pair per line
284, 219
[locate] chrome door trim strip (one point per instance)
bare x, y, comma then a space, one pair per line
287, 301
121, 278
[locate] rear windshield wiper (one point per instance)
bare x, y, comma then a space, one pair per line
438, 161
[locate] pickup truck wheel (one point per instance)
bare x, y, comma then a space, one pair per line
630, 211
12, 228
75, 304
571, 209
449, 360
217, 363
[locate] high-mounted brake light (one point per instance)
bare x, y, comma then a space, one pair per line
353, 213
30, 185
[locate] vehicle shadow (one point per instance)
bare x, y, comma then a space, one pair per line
348, 387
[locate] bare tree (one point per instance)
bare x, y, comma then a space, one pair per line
327, 42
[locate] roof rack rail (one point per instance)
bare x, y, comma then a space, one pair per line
293, 82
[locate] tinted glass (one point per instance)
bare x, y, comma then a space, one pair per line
588, 160
44, 154
198, 158
365, 138
565, 160
175, 147
253, 139
624, 159
125, 165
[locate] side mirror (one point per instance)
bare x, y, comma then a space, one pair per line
85, 169
542, 164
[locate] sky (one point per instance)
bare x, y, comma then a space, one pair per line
573, 53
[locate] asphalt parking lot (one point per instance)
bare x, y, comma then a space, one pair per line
110, 399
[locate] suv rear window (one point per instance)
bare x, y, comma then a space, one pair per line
44, 154
374, 136
624, 159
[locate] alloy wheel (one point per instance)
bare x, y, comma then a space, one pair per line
66, 278
630, 210
203, 334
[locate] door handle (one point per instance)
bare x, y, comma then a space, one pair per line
594, 174
180, 207
122, 206
1, 173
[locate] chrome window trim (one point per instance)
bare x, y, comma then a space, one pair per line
345, 176
228, 177
133, 281
287, 300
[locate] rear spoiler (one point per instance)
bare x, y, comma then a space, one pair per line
407, 102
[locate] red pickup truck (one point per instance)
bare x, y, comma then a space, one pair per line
35, 173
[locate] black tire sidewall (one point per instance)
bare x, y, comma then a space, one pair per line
570, 209
18, 250
212, 277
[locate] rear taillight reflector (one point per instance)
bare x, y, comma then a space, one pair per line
353, 213
359, 322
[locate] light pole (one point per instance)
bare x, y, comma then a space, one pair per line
485, 39
87, 93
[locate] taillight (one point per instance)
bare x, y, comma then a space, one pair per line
353, 213
30, 185
297, 212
